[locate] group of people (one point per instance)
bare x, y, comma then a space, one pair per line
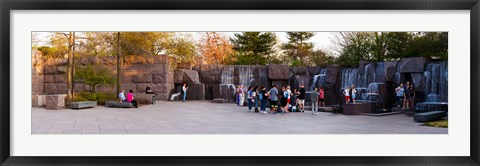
350, 94
405, 95
129, 98
280, 101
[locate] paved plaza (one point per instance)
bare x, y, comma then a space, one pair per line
204, 117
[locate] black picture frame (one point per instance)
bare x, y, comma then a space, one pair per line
5, 73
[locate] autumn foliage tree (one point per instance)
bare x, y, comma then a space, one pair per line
215, 48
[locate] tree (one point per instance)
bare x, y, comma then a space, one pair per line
353, 47
94, 76
321, 58
297, 46
119, 65
215, 48
253, 47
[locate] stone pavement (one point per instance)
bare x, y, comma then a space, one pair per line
204, 117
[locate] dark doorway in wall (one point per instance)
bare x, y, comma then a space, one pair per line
406, 77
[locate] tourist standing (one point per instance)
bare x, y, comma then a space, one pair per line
321, 98
263, 100
289, 101
249, 98
412, 96
255, 97
184, 89
131, 99
301, 98
406, 94
242, 96
121, 96
314, 98
283, 100
273, 98
346, 93
353, 92
399, 91
237, 95
294, 100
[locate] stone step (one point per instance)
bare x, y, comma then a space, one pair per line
429, 116
83, 104
380, 114
218, 100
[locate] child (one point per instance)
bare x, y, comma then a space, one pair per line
353, 93
321, 97
346, 93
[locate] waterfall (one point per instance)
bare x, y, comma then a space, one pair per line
318, 80
227, 75
226, 88
349, 77
245, 76
368, 75
436, 82
379, 72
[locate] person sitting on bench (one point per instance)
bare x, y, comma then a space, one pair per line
121, 96
149, 90
131, 99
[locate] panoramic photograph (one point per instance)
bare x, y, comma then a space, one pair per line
239, 83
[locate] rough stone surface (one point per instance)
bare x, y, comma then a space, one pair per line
390, 70
61, 88
361, 66
278, 72
83, 104
39, 100
50, 88
299, 70
314, 70
190, 76
118, 104
60, 78
418, 81
159, 78
49, 78
55, 102
332, 73
178, 76
62, 69
142, 78
50, 70
194, 92
412, 65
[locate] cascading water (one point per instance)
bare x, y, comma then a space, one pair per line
245, 76
368, 75
436, 82
349, 77
226, 88
318, 80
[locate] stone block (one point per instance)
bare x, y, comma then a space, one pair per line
332, 73
429, 116
142, 78
50, 70
412, 65
190, 76
160, 78
83, 104
39, 100
61, 88
49, 78
60, 78
62, 69
38, 84
278, 72
194, 92
55, 102
144, 98
356, 108
50, 88
117, 104
178, 76
299, 70
314, 70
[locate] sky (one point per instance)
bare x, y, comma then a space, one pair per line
321, 40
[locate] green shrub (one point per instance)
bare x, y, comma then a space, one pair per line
100, 97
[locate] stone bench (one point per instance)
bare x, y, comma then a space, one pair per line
83, 104
55, 102
144, 98
429, 116
117, 104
